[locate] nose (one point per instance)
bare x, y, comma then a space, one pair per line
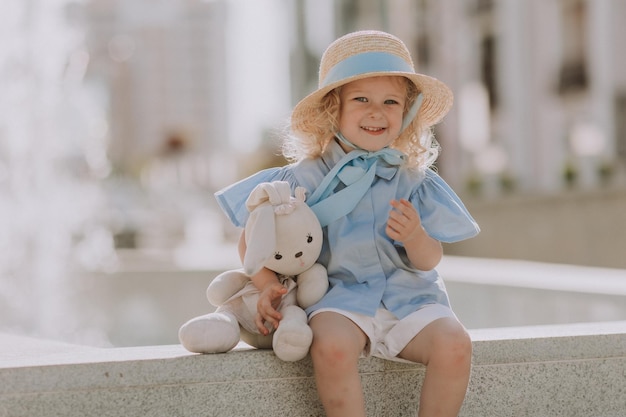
375, 110
299, 254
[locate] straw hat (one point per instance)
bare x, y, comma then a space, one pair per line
371, 53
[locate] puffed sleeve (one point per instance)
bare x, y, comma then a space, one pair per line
443, 214
232, 199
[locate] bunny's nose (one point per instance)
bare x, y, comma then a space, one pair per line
299, 254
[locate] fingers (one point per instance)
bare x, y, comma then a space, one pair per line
403, 220
403, 209
260, 325
269, 299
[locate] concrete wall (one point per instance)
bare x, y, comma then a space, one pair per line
552, 371
575, 227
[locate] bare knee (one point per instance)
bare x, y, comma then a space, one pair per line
444, 341
337, 341
452, 345
333, 353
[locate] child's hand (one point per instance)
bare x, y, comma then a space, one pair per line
269, 299
404, 222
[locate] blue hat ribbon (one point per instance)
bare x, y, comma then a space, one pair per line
364, 63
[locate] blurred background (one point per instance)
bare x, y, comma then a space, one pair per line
119, 119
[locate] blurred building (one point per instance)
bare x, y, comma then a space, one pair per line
160, 66
539, 91
538, 123
193, 88
540, 100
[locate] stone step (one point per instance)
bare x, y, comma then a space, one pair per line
565, 370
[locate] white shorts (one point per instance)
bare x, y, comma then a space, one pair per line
386, 334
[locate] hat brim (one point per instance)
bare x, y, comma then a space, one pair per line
437, 97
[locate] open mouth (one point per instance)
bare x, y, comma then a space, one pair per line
372, 129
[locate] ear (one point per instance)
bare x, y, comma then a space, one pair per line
260, 238
276, 192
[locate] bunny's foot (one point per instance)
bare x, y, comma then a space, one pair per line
211, 333
293, 337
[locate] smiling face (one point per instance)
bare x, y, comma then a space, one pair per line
371, 111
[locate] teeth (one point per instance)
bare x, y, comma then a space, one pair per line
372, 129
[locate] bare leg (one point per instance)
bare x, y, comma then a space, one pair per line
446, 349
337, 345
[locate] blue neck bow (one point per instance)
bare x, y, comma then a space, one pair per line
356, 171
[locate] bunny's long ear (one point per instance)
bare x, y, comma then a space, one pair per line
260, 228
260, 238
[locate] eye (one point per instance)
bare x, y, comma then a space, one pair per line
391, 102
309, 238
278, 256
361, 99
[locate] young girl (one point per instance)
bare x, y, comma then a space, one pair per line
362, 147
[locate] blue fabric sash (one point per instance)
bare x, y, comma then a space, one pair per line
356, 170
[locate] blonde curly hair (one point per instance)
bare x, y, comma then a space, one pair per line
311, 133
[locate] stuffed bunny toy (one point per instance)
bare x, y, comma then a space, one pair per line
282, 234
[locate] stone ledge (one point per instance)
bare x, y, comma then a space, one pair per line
566, 370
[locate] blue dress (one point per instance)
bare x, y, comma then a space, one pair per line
366, 268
